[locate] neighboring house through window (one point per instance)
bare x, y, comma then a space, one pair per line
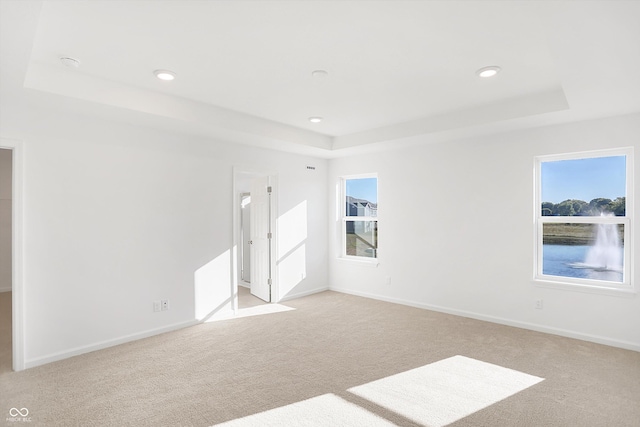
359, 206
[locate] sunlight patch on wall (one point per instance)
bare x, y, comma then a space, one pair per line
325, 410
443, 392
292, 270
292, 256
213, 286
292, 229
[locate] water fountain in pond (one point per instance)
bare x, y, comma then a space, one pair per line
606, 253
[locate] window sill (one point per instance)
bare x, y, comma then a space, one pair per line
586, 288
358, 261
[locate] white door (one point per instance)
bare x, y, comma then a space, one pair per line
260, 253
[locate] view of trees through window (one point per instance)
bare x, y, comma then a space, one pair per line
594, 207
583, 217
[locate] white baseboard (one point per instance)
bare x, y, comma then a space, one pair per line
303, 294
31, 363
5, 289
502, 321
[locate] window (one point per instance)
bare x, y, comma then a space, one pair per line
360, 217
583, 219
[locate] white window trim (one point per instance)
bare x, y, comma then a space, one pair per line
343, 218
577, 284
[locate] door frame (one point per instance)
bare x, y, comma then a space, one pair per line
240, 172
17, 285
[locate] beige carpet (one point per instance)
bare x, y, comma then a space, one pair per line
336, 360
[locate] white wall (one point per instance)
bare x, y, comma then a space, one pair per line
446, 244
5, 219
117, 216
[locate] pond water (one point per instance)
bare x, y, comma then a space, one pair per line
568, 261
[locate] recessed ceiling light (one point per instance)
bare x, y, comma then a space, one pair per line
315, 119
165, 75
67, 61
320, 74
488, 71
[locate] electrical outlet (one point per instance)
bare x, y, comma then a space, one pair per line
387, 281
165, 304
157, 306
538, 304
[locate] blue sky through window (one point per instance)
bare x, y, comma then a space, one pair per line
363, 188
583, 179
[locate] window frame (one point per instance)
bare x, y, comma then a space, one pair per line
581, 284
343, 219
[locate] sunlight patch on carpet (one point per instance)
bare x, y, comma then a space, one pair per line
258, 310
325, 410
443, 392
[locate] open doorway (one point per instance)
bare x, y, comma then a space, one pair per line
245, 298
11, 182
6, 258
254, 236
